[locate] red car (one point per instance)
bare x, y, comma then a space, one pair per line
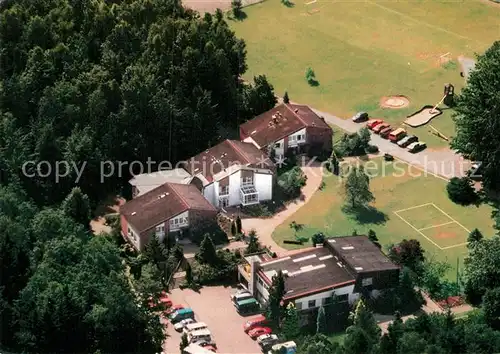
384, 133
258, 331
172, 309
257, 321
379, 127
373, 123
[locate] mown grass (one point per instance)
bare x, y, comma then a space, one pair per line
361, 51
396, 186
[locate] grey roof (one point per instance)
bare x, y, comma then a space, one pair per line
309, 271
146, 182
361, 254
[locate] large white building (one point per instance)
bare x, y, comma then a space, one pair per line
344, 266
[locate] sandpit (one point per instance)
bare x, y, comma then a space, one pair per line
394, 102
422, 116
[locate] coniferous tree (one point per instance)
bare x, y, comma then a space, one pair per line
207, 252
291, 328
238, 225
321, 325
286, 99
276, 293
77, 206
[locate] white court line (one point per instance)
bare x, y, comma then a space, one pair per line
433, 226
459, 245
462, 226
311, 2
414, 228
414, 207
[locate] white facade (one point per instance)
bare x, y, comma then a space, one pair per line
133, 236
231, 193
297, 138
179, 221
279, 148
306, 302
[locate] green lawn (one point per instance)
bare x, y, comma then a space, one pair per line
395, 190
363, 50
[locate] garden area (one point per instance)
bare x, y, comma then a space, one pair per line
361, 53
404, 207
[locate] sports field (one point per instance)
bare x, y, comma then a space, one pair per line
363, 50
408, 204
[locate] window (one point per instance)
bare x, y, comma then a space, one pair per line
367, 281
223, 190
298, 305
247, 181
277, 145
327, 300
311, 303
223, 202
160, 228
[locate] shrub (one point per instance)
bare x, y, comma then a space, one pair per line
291, 182
311, 77
322, 185
372, 149
236, 6
286, 99
461, 191
257, 210
318, 238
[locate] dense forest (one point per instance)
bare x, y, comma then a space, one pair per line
119, 81
87, 82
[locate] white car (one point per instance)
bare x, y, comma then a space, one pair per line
180, 325
266, 337
240, 292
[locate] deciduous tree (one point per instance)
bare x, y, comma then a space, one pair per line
357, 189
461, 191
477, 107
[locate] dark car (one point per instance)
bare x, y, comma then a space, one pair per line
407, 140
384, 133
360, 117
475, 173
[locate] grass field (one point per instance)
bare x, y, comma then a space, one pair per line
363, 50
405, 207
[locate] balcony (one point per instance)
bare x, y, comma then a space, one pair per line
249, 195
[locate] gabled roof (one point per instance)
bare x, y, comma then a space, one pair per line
280, 122
224, 155
162, 204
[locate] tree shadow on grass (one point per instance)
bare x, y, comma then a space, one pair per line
289, 4
240, 16
313, 82
366, 215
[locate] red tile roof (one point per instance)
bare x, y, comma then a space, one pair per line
224, 155
163, 203
280, 122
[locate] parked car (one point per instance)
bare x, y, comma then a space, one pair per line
258, 331
212, 349
384, 133
416, 147
180, 315
267, 345
360, 117
205, 343
239, 293
376, 129
257, 321
397, 135
182, 324
373, 123
475, 173
266, 338
407, 140
172, 309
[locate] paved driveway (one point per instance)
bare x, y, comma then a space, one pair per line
445, 163
265, 227
213, 306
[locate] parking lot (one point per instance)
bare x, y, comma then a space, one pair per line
213, 306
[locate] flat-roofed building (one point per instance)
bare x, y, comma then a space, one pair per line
341, 266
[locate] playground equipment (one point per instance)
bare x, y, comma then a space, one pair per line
425, 114
438, 133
